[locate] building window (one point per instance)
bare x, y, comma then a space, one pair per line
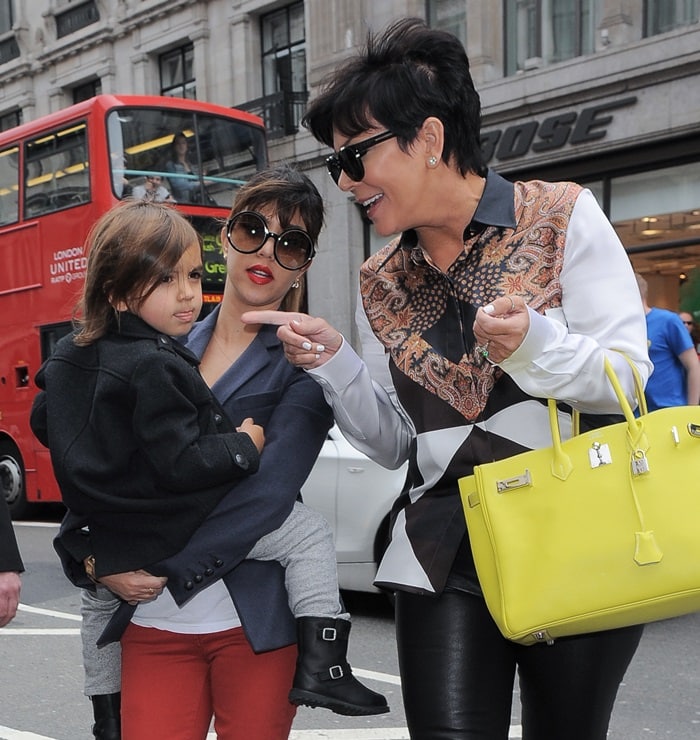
177, 73
665, 15
75, 18
86, 91
10, 120
448, 15
284, 65
541, 32
6, 16
9, 48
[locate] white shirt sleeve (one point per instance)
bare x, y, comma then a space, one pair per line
363, 398
602, 316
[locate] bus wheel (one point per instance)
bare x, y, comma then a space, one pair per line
12, 480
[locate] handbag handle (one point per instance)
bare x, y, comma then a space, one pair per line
561, 463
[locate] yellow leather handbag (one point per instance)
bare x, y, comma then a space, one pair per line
597, 532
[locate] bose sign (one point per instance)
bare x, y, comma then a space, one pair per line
532, 136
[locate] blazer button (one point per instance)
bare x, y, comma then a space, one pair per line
218, 563
198, 578
218, 418
240, 459
189, 585
209, 572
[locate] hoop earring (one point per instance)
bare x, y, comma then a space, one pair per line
432, 161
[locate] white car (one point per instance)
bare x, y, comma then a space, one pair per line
355, 495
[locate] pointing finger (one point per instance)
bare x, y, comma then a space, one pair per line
276, 318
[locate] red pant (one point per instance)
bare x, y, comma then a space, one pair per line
172, 684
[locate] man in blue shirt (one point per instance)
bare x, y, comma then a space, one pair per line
675, 380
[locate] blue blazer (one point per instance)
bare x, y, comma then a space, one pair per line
290, 406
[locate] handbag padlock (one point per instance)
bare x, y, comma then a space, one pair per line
640, 464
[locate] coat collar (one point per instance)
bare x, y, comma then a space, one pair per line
131, 326
252, 361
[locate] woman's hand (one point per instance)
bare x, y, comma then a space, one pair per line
501, 326
136, 586
308, 341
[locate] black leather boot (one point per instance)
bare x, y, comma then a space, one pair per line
107, 711
323, 675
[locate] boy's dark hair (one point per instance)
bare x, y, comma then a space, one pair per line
403, 76
130, 249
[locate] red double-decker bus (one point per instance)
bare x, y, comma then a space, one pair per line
58, 174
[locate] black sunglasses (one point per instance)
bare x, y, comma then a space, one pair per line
348, 159
247, 231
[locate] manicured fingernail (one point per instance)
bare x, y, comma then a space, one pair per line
306, 346
320, 348
489, 308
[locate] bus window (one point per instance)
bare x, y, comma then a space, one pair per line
57, 171
202, 158
50, 334
9, 186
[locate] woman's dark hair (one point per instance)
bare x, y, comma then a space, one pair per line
403, 76
289, 192
131, 248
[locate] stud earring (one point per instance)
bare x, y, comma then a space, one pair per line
295, 284
432, 161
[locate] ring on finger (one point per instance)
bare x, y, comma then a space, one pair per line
483, 349
512, 303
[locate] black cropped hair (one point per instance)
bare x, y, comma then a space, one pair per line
403, 76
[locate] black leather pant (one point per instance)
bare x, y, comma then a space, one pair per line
458, 672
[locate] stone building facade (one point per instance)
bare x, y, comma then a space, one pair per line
606, 92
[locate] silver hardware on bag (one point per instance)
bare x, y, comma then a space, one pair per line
640, 464
674, 434
517, 481
694, 429
599, 454
543, 637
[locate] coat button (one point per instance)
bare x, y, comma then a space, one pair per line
209, 572
218, 563
189, 585
239, 459
198, 578
218, 418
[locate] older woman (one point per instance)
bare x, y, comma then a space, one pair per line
495, 295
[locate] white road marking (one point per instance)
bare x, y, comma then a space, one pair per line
49, 612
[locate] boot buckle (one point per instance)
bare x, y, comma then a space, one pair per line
329, 634
336, 671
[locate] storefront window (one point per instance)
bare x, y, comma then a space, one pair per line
657, 216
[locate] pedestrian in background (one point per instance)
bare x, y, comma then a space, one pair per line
495, 296
689, 322
10, 567
675, 380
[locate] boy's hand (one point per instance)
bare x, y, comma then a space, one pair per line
254, 431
